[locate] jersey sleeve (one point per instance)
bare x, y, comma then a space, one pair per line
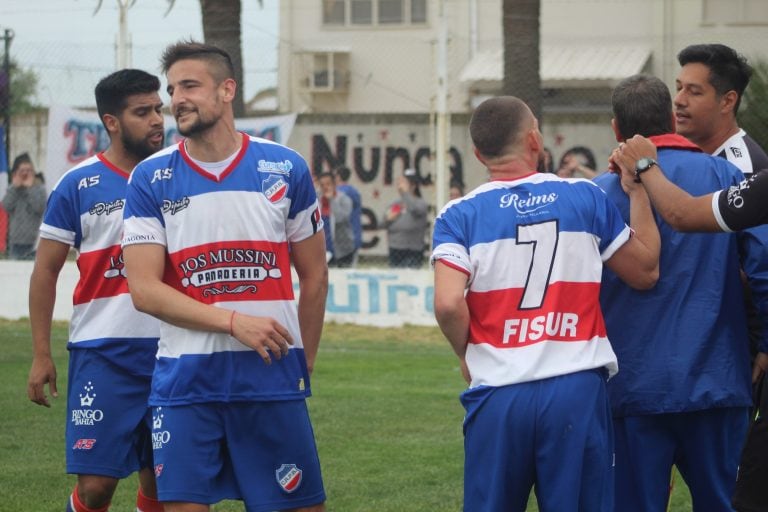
304, 218
61, 220
142, 219
450, 245
744, 205
608, 225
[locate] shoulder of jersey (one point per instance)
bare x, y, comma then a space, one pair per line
86, 167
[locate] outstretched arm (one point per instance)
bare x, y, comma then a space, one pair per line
676, 206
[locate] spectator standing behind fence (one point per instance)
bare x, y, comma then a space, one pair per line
25, 203
336, 209
406, 223
517, 279
577, 162
342, 174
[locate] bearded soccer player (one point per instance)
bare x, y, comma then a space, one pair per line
111, 345
212, 227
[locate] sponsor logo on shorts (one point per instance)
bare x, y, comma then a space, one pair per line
159, 437
87, 415
158, 470
288, 477
84, 444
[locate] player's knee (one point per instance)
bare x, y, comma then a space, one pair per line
95, 492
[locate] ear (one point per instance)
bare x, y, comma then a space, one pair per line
111, 123
728, 101
616, 133
478, 155
229, 88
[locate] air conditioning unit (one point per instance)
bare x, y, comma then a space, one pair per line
324, 71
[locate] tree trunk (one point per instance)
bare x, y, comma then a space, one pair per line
520, 20
222, 28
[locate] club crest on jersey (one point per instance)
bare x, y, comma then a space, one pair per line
736, 152
288, 477
275, 188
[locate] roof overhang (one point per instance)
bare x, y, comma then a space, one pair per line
572, 66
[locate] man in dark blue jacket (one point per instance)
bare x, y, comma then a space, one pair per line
682, 393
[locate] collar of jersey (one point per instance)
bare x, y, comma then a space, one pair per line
206, 174
673, 141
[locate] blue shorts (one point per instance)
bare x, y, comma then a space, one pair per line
108, 419
553, 435
704, 445
263, 453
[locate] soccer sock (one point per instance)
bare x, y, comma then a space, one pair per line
146, 504
75, 505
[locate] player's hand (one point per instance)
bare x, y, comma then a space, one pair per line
760, 366
263, 334
43, 372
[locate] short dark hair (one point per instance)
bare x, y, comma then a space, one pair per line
583, 151
728, 70
20, 159
327, 174
642, 105
497, 123
220, 61
113, 90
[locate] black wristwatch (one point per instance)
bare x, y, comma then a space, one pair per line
643, 165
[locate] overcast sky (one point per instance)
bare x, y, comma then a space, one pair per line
70, 47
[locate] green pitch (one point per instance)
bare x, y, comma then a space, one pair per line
385, 411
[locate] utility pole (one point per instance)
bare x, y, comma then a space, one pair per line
7, 38
441, 129
123, 38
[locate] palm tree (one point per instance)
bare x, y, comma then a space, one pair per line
221, 27
520, 19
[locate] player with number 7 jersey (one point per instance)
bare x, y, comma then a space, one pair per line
518, 263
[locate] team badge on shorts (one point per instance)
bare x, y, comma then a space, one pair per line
289, 477
275, 188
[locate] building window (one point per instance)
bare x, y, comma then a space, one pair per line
374, 12
333, 12
731, 12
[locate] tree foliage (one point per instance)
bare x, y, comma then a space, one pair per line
753, 112
17, 94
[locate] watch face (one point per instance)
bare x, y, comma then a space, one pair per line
644, 163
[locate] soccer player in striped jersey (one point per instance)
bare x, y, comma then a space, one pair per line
517, 266
111, 345
213, 225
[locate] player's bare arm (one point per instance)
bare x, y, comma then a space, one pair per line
49, 261
637, 261
451, 310
676, 206
145, 264
308, 257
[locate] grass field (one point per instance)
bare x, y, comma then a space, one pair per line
385, 410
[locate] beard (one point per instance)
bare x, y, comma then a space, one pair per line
199, 125
140, 147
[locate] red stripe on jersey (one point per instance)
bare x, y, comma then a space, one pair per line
570, 312
230, 271
101, 275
